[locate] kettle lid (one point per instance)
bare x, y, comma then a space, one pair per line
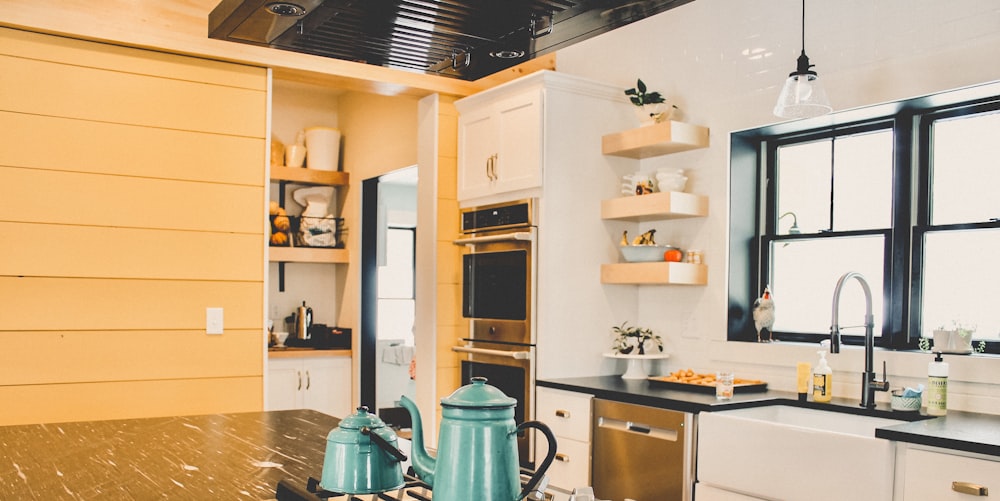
361, 419
478, 394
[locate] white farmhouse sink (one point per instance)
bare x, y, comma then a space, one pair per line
785, 452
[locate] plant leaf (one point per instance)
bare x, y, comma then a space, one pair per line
641, 86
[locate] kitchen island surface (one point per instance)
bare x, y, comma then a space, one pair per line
219, 456
960, 431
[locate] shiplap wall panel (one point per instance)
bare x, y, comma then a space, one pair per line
139, 202
50, 357
129, 399
91, 251
111, 95
131, 199
56, 143
32, 45
47, 303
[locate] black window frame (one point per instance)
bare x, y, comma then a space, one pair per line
753, 207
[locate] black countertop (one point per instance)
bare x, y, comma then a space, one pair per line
963, 431
222, 456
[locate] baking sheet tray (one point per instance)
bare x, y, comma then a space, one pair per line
659, 381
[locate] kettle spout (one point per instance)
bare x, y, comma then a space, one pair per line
423, 463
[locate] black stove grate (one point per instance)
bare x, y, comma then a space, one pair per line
412, 489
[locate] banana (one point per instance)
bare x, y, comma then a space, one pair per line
645, 239
624, 238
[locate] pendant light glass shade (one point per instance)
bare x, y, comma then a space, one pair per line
802, 95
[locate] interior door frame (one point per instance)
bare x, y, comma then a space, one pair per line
369, 290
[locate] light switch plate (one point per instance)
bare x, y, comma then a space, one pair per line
213, 320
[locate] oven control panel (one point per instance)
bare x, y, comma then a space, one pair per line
496, 217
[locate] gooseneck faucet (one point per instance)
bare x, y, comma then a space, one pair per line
869, 385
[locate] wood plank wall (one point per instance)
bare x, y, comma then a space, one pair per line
131, 199
451, 327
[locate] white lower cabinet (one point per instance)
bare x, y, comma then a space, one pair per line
567, 414
943, 475
318, 383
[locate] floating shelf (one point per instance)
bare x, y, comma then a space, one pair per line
662, 205
654, 140
654, 273
307, 255
309, 176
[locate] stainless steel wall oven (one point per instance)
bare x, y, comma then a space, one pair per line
498, 299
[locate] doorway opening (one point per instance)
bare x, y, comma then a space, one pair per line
388, 272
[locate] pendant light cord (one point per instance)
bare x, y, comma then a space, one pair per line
803, 26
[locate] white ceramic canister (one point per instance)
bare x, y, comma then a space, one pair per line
322, 148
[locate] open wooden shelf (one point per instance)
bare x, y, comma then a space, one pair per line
654, 140
666, 273
309, 176
661, 205
308, 255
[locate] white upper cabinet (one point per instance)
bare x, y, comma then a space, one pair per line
500, 142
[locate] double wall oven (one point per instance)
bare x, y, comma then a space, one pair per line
498, 299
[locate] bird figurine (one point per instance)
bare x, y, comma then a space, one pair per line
763, 315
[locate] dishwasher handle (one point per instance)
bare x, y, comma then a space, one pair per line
637, 428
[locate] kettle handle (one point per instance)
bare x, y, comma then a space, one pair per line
384, 444
549, 456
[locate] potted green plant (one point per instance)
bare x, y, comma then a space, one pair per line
957, 339
629, 339
651, 107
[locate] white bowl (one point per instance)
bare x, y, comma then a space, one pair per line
671, 180
644, 253
280, 337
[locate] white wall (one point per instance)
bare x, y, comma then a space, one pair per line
723, 62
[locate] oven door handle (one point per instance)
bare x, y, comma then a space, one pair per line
517, 355
519, 235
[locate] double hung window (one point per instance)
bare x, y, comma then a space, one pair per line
907, 194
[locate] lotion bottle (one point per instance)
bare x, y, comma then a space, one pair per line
937, 386
822, 380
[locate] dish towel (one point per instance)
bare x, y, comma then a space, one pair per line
398, 354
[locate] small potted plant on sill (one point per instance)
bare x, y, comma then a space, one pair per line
632, 340
957, 339
651, 107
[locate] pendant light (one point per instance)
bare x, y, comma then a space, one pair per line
803, 95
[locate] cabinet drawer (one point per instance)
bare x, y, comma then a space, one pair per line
567, 413
571, 467
929, 476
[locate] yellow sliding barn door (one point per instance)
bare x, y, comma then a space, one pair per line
131, 199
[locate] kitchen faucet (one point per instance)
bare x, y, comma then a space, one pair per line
869, 385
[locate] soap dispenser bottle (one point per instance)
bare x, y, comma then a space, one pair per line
822, 380
937, 386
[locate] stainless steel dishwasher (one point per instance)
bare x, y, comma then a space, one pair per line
641, 453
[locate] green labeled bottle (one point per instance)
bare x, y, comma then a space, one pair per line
937, 386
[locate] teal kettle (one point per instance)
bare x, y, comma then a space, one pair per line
361, 456
477, 447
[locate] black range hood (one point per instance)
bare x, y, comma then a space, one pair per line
465, 39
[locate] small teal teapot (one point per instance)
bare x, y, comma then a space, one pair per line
477, 447
361, 456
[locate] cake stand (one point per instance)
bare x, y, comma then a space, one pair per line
636, 368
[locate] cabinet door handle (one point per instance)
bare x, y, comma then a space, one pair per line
493, 166
489, 167
308, 380
299, 376
562, 413
562, 457
970, 488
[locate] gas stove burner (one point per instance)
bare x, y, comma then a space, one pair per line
412, 489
